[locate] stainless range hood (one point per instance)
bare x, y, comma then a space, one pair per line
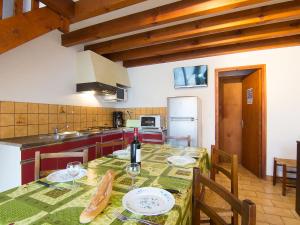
99, 74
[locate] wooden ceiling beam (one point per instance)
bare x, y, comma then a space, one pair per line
243, 19
269, 31
85, 9
161, 15
19, 29
65, 8
223, 50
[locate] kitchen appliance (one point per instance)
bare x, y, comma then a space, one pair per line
100, 75
151, 121
121, 95
184, 118
118, 119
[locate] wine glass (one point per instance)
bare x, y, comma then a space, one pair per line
73, 169
133, 170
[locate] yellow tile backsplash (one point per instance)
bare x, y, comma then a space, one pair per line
24, 119
7, 107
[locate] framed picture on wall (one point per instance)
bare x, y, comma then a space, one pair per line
191, 76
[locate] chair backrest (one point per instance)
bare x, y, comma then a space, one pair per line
112, 145
179, 138
216, 166
38, 173
246, 209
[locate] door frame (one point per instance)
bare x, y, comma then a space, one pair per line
261, 67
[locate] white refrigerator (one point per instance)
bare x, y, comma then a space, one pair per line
184, 118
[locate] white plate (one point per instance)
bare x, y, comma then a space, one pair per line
122, 154
181, 160
148, 201
63, 176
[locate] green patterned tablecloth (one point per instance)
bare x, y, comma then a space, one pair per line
37, 205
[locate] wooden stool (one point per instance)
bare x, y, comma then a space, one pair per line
285, 163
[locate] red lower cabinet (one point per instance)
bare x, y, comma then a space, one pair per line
27, 172
27, 156
155, 138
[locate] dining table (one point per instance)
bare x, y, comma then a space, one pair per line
35, 204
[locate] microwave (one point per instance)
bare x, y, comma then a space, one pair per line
121, 95
151, 121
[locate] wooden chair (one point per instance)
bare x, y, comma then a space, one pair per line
231, 174
246, 209
216, 167
60, 155
182, 138
287, 165
112, 145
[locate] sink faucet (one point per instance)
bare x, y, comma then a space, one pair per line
56, 130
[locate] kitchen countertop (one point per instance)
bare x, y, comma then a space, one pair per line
51, 139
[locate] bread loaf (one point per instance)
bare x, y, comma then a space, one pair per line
100, 200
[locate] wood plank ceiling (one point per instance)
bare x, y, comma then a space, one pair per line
261, 25
180, 30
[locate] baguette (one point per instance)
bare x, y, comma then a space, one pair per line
100, 200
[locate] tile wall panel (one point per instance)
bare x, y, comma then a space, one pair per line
19, 119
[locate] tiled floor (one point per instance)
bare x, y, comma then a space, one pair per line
272, 207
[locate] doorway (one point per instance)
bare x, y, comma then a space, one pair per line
240, 116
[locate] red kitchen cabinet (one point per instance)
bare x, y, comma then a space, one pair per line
109, 137
27, 155
155, 138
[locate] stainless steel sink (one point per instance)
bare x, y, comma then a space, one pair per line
49, 137
69, 134
61, 136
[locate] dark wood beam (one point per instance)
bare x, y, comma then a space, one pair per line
165, 14
223, 50
19, 29
18, 7
85, 9
65, 8
269, 31
35, 4
247, 18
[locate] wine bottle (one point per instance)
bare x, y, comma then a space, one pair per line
135, 148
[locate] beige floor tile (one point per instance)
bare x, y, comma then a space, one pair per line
290, 221
271, 207
268, 196
278, 211
271, 219
282, 204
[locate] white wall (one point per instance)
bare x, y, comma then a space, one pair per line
151, 85
42, 71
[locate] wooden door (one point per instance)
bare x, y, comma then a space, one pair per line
252, 122
231, 116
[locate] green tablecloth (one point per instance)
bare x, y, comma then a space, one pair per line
37, 205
